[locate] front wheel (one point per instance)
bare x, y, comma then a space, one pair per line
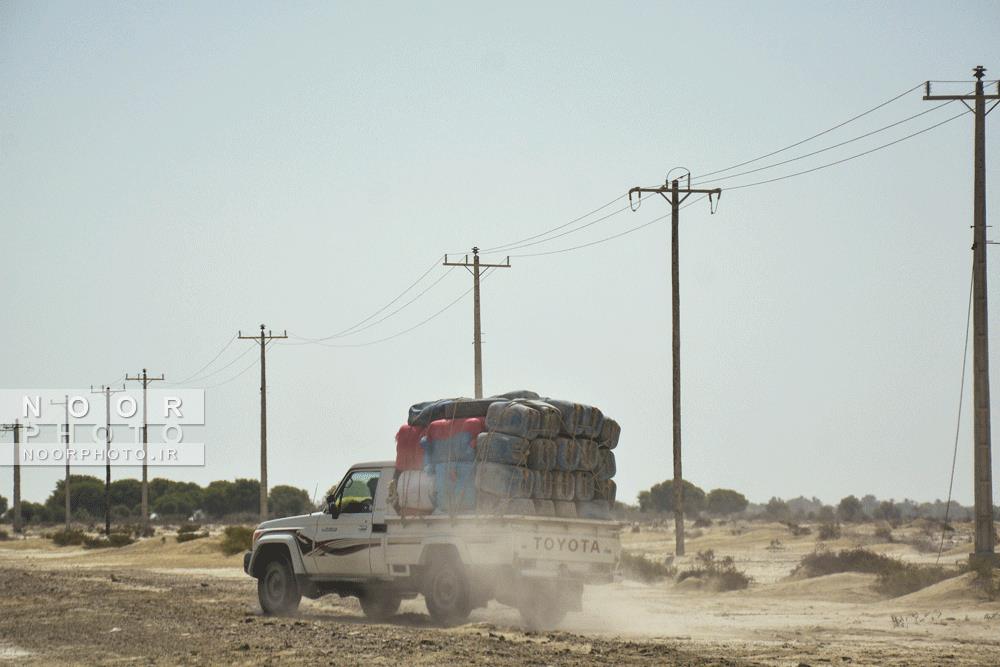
446, 592
277, 589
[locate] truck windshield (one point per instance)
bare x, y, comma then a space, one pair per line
358, 492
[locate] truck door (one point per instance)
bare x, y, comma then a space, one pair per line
344, 535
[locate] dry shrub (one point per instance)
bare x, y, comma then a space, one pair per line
189, 528
640, 568
829, 530
187, 536
702, 522
114, 540
4, 536
795, 529
884, 533
66, 538
721, 575
236, 539
895, 577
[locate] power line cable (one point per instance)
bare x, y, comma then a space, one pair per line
702, 180
815, 136
240, 374
958, 419
222, 368
506, 246
211, 361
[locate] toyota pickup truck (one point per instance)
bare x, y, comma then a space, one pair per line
360, 546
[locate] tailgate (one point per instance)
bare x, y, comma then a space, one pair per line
567, 542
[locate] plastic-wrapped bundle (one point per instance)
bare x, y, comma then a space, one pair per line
505, 481
518, 393
527, 419
593, 509
452, 440
487, 503
564, 509
584, 486
563, 485
422, 414
542, 454
544, 507
502, 448
415, 492
606, 469
409, 453
454, 488
589, 456
610, 432
567, 454
605, 489
577, 419
541, 487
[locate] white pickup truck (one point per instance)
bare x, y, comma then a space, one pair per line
360, 546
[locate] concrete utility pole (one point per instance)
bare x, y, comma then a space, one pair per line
107, 391
263, 340
672, 192
145, 379
475, 268
980, 337
65, 435
16, 428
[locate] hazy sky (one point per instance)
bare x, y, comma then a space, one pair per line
173, 172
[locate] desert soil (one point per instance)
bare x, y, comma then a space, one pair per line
160, 602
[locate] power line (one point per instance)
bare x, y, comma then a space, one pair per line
222, 368
210, 362
702, 180
815, 136
507, 246
238, 375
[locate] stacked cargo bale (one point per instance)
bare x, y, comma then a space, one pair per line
509, 454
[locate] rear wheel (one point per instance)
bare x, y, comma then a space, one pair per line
277, 589
378, 604
446, 592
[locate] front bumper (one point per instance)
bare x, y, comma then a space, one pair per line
246, 561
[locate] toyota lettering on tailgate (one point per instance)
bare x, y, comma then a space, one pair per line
567, 544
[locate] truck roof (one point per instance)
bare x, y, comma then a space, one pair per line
374, 464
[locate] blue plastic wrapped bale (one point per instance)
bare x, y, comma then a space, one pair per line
577, 419
563, 485
518, 393
542, 454
564, 509
567, 454
502, 448
527, 419
454, 488
487, 503
605, 489
589, 454
606, 469
541, 487
422, 414
503, 480
544, 507
610, 432
584, 486
593, 509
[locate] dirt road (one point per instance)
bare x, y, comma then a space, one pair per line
159, 602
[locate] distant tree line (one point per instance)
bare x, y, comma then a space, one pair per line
850, 509
167, 498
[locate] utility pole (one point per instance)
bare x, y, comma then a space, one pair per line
145, 379
65, 435
983, 473
675, 196
107, 391
475, 268
16, 428
263, 340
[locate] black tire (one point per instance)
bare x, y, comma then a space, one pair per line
540, 612
446, 592
379, 605
277, 590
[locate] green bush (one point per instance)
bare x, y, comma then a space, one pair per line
721, 575
189, 528
188, 536
4, 536
895, 577
115, 540
829, 531
66, 538
640, 568
236, 539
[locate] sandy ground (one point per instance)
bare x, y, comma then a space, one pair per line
159, 602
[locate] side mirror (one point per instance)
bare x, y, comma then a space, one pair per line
331, 506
